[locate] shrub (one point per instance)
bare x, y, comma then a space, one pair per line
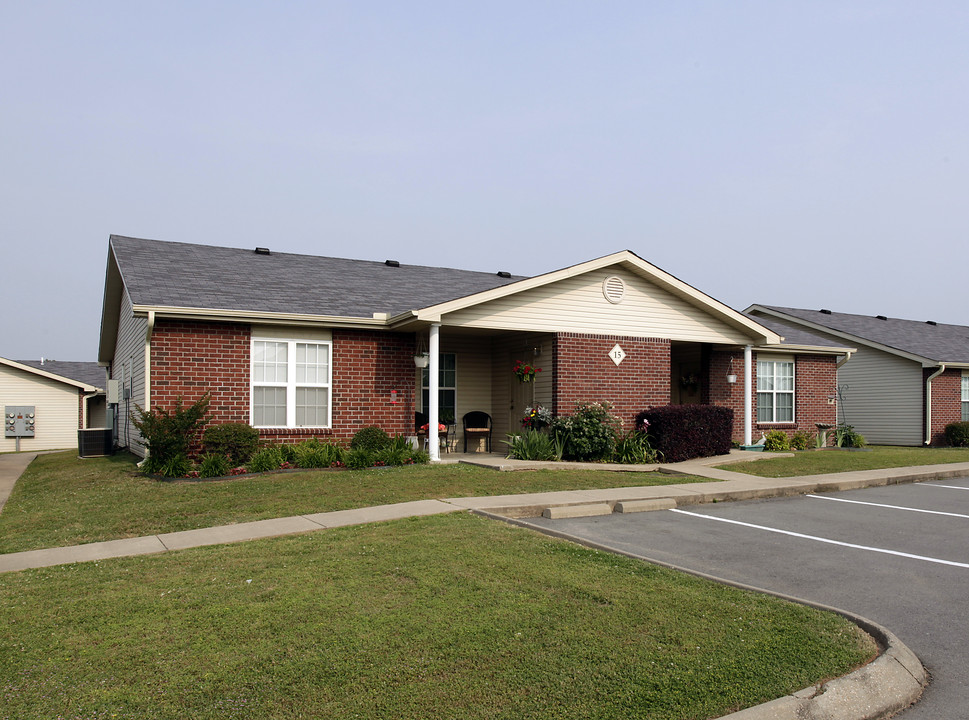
682, 432
238, 441
358, 458
370, 438
175, 466
776, 441
846, 437
535, 445
800, 440
315, 454
169, 435
214, 465
634, 448
957, 434
266, 459
589, 434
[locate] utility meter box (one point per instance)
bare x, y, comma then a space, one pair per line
18, 421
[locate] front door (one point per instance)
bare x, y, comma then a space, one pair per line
522, 396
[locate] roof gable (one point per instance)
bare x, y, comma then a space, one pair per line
667, 295
928, 343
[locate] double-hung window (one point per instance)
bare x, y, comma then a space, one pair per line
965, 397
290, 383
446, 392
775, 390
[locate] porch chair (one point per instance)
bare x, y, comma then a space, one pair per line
420, 420
477, 424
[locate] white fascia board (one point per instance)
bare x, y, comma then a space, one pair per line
49, 375
263, 318
924, 361
806, 349
646, 270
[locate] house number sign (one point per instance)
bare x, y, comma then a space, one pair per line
617, 354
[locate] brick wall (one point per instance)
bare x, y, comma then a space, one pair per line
815, 378
946, 401
583, 371
191, 357
367, 366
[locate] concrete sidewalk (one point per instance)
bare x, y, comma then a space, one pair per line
569, 503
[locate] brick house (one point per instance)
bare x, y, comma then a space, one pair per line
906, 380
304, 346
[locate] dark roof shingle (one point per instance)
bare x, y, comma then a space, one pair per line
937, 342
89, 373
171, 274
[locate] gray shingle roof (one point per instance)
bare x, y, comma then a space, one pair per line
795, 334
171, 274
89, 373
939, 343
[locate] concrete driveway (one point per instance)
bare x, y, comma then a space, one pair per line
898, 555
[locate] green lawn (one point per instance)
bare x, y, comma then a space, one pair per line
817, 462
446, 617
61, 500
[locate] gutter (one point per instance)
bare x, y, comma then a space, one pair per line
928, 402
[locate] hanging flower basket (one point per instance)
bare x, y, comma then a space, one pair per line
525, 373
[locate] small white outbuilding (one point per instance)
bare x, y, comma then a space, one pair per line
45, 403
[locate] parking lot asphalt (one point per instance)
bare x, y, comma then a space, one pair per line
898, 555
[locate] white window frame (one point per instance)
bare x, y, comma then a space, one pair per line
441, 386
774, 392
965, 396
290, 384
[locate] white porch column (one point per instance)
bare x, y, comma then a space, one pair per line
433, 391
748, 377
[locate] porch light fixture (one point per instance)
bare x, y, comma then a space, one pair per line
422, 357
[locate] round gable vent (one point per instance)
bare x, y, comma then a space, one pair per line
613, 288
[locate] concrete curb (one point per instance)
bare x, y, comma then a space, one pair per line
891, 682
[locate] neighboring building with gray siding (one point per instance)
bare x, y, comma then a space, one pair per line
905, 382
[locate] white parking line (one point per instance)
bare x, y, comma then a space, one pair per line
824, 540
949, 487
892, 507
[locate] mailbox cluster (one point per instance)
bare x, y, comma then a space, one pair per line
18, 421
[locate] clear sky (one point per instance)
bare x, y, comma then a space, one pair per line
810, 154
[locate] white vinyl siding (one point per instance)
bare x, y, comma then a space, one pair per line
290, 383
775, 390
577, 305
55, 407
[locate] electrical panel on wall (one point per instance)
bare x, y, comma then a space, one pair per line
18, 421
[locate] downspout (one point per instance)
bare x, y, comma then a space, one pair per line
928, 403
151, 329
433, 391
847, 357
748, 382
